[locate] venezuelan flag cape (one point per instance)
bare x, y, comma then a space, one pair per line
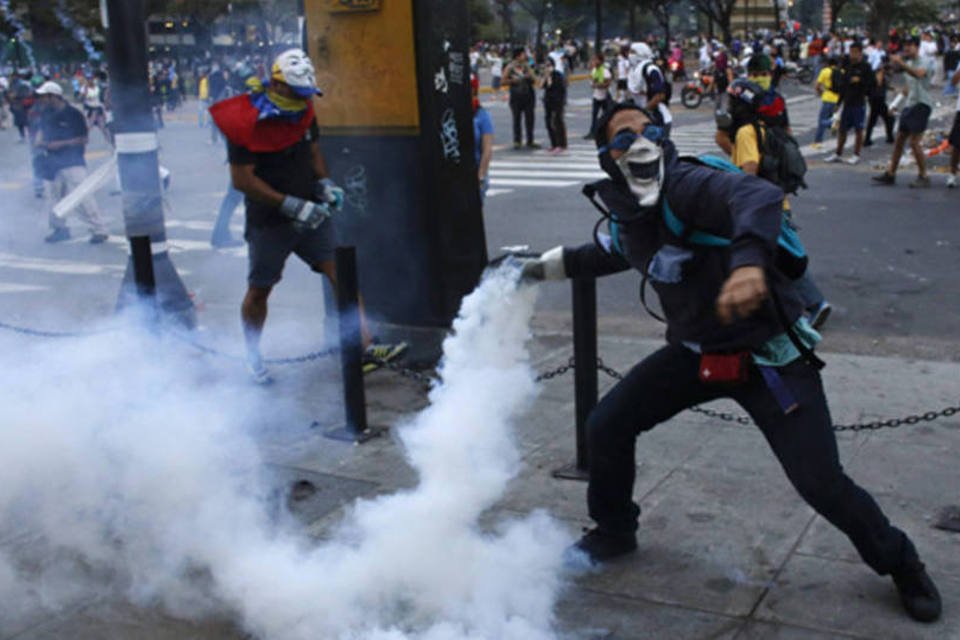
239, 121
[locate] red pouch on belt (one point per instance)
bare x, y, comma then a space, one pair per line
724, 368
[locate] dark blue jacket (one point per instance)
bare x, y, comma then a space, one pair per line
686, 276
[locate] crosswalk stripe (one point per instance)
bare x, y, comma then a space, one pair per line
517, 173
553, 165
512, 182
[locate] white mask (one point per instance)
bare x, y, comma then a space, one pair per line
642, 167
296, 69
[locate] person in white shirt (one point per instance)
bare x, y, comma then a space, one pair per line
496, 72
647, 84
954, 138
559, 59
623, 73
600, 80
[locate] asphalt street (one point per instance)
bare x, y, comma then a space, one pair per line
885, 257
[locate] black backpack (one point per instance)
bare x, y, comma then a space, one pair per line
649, 69
780, 159
837, 80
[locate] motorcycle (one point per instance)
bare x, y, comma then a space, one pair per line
702, 85
677, 70
802, 72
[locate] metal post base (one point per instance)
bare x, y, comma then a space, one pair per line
571, 472
347, 434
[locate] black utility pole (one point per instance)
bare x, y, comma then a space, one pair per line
137, 146
598, 45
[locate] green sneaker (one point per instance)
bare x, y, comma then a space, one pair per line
378, 354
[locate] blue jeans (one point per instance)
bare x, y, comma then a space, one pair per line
824, 119
808, 291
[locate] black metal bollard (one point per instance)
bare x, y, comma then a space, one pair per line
584, 372
351, 350
143, 266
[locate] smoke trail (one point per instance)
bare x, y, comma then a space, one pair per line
18, 30
161, 495
78, 32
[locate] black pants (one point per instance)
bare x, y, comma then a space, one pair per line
556, 127
804, 442
522, 110
878, 109
599, 108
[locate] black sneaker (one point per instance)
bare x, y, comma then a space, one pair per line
58, 235
599, 545
884, 178
918, 593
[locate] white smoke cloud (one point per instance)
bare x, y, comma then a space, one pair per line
138, 471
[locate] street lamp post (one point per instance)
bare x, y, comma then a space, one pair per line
137, 159
598, 45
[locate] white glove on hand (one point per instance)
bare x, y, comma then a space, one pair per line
327, 192
305, 214
549, 266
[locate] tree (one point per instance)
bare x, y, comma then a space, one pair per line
504, 9
538, 10
480, 19
719, 12
836, 6
660, 10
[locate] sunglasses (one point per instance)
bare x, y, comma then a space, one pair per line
625, 138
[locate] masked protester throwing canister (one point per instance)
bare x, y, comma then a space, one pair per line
275, 161
707, 240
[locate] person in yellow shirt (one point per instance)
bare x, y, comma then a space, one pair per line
203, 97
746, 154
829, 98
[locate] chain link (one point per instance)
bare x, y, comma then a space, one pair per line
39, 333
889, 423
553, 373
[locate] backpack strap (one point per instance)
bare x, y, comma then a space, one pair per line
677, 228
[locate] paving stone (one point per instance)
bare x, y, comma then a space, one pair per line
848, 598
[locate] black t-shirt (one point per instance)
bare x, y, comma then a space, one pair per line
63, 124
858, 81
289, 171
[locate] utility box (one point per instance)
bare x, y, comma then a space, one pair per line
396, 125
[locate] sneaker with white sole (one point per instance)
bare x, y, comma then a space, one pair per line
952, 181
833, 158
854, 159
259, 373
818, 317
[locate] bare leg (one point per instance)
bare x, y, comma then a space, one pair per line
329, 269
253, 313
898, 146
841, 141
918, 154
858, 141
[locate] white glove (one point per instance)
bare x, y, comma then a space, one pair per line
327, 192
549, 266
305, 214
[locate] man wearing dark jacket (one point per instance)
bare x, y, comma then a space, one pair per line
735, 329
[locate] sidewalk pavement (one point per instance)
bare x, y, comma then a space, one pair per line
727, 548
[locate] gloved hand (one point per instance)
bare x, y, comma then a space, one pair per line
327, 192
305, 214
549, 266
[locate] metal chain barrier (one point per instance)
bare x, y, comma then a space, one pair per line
889, 423
39, 333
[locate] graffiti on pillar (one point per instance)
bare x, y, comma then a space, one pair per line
456, 66
450, 136
440, 82
355, 188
